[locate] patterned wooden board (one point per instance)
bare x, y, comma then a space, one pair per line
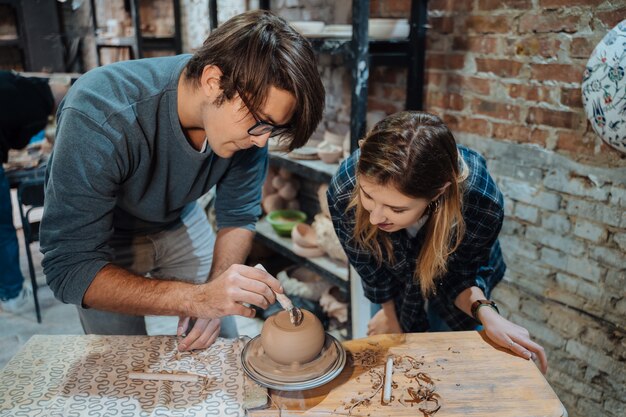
88, 375
472, 378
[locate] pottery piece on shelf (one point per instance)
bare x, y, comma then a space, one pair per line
327, 238
283, 221
293, 205
314, 252
304, 236
304, 153
330, 154
289, 191
310, 27
321, 196
272, 203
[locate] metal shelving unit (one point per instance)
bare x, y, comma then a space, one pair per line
137, 44
333, 271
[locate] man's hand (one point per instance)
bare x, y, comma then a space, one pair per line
202, 333
511, 336
226, 294
384, 321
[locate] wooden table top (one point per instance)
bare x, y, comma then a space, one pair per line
471, 376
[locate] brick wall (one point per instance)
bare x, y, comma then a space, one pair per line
505, 75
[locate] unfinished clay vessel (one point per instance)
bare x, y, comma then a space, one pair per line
287, 344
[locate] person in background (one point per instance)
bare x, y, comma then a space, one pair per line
137, 143
419, 218
25, 104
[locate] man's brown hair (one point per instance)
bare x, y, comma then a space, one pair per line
257, 50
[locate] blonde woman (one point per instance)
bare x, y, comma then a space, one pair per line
419, 217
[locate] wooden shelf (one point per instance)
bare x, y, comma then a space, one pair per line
313, 170
328, 268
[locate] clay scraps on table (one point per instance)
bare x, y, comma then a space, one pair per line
420, 393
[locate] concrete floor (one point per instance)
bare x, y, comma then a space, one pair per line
59, 318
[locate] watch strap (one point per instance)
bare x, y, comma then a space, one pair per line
476, 305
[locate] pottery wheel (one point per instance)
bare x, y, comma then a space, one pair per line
324, 368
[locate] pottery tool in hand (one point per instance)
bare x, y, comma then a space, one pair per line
295, 314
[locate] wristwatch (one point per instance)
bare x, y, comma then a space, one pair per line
481, 303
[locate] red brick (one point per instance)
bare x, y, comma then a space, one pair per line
490, 5
462, 84
575, 142
440, 43
547, 22
440, 24
445, 100
611, 17
445, 61
488, 24
568, 73
551, 4
529, 92
496, 109
433, 78
500, 67
571, 97
394, 93
396, 8
519, 133
478, 44
581, 47
374, 103
383, 75
455, 6
554, 118
547, 47
467, 124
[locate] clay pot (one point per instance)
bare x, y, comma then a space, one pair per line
293, 205
330, 154
285, 343
314, 252
278, 182
272, 202
304, 236
289, 191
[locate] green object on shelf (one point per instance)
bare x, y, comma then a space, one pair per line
284, 220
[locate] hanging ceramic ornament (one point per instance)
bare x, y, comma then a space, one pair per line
604, 88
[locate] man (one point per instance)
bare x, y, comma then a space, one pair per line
138, 142
25, 104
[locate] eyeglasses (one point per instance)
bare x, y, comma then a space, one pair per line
261, 127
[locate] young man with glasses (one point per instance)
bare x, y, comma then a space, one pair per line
138, 143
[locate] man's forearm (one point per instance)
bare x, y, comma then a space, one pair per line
232, 246
116, 289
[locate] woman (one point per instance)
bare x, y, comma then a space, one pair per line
419, 217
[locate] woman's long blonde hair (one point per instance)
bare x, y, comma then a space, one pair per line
415, 153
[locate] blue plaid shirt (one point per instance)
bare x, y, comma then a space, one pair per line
476, 262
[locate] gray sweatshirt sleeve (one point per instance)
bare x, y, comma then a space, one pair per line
238, 197
81, 185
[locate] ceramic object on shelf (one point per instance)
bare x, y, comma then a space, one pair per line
314, 252
330, 154
273, 202
603, 92
287, 344
388, 28
304, 236
311, 27
304, 153
283, 221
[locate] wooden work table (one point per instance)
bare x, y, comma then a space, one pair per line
471, 376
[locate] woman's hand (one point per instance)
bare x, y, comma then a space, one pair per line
200, 334
511, 336
384, 321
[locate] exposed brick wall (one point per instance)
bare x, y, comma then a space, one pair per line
505, 75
